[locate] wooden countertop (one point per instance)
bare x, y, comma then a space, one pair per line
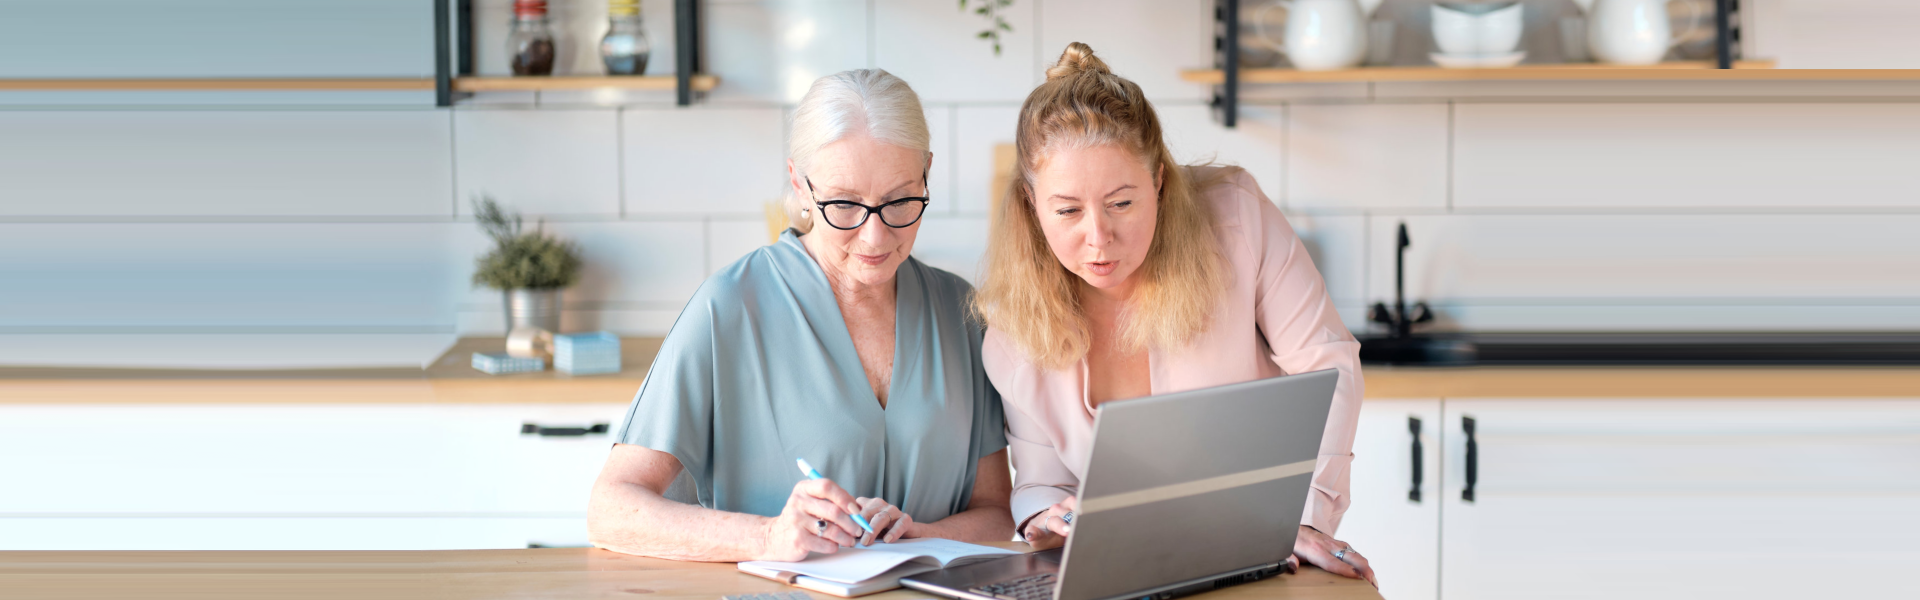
462, 574
449, 380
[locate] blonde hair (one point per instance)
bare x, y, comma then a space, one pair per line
869, 102
1026, 293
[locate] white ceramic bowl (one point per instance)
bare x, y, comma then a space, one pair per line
1477, 29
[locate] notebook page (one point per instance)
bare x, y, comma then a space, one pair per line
853, 565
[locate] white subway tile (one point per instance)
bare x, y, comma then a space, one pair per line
539, 162
1687, 155
1255, 144
1366, 156
329, 350
1181, 30
942, 177
1596, 271
628, 265
1338, 247
730, 239
934, 46
249, 163
953, 244
703, 160
222, 276
978, 130
773, 52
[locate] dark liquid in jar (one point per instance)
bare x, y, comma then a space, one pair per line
535, 59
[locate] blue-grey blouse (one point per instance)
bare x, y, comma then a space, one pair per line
760, 369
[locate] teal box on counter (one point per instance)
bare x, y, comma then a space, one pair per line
587, 353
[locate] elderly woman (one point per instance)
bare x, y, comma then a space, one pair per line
833, 345
1113, 272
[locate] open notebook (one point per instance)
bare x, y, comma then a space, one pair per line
868, 569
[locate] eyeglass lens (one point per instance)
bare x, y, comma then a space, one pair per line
894, 214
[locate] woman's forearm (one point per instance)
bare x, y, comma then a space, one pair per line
630, 519
976, 524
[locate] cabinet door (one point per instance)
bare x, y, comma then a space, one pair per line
295, 476
1397, 532
1682, 499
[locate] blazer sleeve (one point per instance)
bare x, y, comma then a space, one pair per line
1040, 478
1304, 332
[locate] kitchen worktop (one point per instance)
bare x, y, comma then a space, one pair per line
449, 379
463, 574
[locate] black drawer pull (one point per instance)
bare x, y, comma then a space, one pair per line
1413, 426
1473, 459
536, 429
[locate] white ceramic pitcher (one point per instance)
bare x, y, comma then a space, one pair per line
1632, 32
1322, 35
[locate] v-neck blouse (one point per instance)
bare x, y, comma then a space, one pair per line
1276, 318
760, 369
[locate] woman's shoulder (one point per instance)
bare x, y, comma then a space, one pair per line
1230, 191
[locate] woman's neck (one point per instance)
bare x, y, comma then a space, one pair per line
1107, 302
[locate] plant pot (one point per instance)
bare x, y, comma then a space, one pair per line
533, 308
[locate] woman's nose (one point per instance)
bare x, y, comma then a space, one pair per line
875, 232
1099, 229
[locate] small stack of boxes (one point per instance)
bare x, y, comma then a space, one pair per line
501, 364
587, 353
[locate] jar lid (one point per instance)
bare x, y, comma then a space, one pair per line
530, 8
623, 8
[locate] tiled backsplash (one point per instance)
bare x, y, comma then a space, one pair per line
1532, 206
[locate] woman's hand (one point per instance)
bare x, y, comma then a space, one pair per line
814, 520
889, 522
1050, 528
1319, 548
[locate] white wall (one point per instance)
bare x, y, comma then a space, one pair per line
245, 218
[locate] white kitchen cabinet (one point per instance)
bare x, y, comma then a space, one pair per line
1399, 535
1682, 499
295, 476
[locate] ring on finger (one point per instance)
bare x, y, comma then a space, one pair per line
1342, 553
820, 527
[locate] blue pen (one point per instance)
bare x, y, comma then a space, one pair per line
812, 474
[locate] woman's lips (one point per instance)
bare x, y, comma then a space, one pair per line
1102, 269
873, 260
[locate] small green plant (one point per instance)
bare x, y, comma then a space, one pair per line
991, 11
530, 260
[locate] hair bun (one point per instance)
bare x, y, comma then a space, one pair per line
1078, 58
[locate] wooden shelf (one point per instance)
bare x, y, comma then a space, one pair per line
701, 83
246, 84
1750, 70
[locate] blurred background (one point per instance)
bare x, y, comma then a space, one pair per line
238, 247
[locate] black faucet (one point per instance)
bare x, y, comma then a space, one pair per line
1398, 321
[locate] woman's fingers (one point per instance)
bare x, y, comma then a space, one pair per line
880, 515
840, 527
1360, 564
827, 490
899, 527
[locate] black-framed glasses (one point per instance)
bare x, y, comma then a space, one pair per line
847, 214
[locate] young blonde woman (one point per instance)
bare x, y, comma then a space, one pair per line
1113, 272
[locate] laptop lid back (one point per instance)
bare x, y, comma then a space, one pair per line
1187, 486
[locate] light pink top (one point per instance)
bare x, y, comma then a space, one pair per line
1275, 319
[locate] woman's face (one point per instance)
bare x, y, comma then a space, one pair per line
1097, 208
870, 172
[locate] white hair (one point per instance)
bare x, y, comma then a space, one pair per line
863, 101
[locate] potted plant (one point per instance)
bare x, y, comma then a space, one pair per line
529, 268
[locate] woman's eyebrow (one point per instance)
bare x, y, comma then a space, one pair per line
828, 188
1123, 187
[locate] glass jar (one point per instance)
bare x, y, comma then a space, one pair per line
530, 46
625, 47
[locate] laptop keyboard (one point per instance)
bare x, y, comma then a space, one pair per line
1031, 587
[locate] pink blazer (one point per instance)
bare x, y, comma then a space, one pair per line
1276, 318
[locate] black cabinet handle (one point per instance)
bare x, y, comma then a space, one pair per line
1473, 459
1413, 426
536, 429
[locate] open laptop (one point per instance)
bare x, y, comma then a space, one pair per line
1183, 493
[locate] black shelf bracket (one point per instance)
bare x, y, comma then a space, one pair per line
1725, 33
1226, 57
452, 24
686, 48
